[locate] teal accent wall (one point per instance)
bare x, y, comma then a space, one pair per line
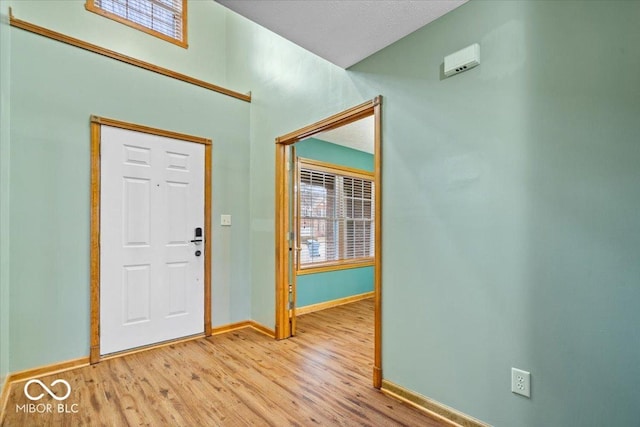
332, 285
317, 149
54, 90
5, 60
327, 286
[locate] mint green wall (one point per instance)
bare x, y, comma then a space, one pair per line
4, 192
204, 59
321, 287
332, 285
317, 149
54, 90
291, 88
510, 201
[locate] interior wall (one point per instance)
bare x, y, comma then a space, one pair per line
55, 88
510, 211
290, 88
4, 192
327, 286
317, 149
204, 58
510, 193
332, 285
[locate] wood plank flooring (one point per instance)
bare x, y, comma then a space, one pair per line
243, 378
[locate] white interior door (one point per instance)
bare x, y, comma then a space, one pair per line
151, 274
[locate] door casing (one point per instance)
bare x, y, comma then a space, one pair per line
283, 212
96, 125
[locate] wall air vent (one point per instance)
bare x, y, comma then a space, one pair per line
462, 60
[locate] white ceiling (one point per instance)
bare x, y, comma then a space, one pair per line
358, 135
343, 32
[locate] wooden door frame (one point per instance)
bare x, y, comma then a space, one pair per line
369, 108
96, 126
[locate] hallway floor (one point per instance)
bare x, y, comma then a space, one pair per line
321, 377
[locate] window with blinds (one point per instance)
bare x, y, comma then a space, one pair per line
162, 18
335, 216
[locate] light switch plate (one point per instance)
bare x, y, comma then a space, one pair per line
225, 220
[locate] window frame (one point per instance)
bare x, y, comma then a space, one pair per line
91, 6
338, 170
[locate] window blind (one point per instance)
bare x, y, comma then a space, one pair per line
318, 216
163, 16
336, 217
358, 204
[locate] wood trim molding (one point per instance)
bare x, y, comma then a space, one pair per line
4, 398
377, 377
343, 118
333, 303
45, 32
94, 353
208, 244
53, 368
96, 126
282, 248
147, 129
342, 265
91, 7
431, 407
185, 24
263, 329
41, 371
218, 330
377, 275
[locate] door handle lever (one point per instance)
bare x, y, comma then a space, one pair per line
198, 235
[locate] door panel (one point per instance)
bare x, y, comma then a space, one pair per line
152, 199
176, 275
135, 211
177, 219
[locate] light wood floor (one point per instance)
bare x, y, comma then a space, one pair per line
321, 377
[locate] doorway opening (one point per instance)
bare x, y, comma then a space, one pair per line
312, 242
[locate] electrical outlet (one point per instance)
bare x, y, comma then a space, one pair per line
521, 382
225, 220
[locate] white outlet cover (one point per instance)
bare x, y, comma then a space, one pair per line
521, 382
225, 219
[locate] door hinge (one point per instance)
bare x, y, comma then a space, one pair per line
290, 305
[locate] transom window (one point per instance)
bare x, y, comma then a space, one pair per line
166, 19
335, 215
